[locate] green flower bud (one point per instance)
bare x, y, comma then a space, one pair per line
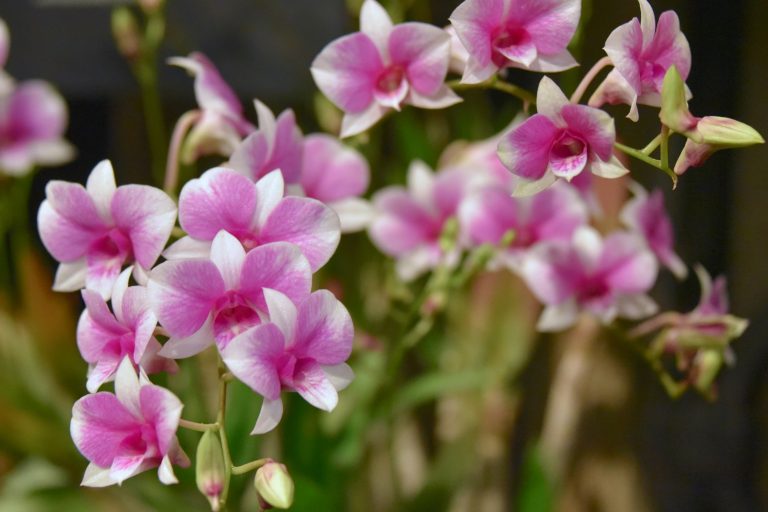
274, 485
125, 30
674, 105
211, 472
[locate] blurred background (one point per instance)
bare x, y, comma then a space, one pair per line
494, 447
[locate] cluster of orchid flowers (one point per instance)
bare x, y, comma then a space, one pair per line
33, 118
251, 232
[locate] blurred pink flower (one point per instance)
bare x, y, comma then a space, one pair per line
645, 214
94, 231
199, 301
515, 33
276, 145
106, 337
408, 223
254, 213
337, 175
130, 431
302, 349
642, 52
609, 278
490, 213
222, 124
383, 66
560, 141
33, 118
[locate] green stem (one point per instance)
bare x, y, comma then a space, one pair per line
220, 421
199, 427
249, 466
665, 147
636, 153
494, 83
651, 147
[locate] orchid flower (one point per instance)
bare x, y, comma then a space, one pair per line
33, 118
560, 141
491, 214
222, 124
302, 349
199, 301
368, 73
130, 431
337, 175
607, 277
106, 338
645, 214
93, 231
254, 213
641, 52
515, 33
408, 223
277, 144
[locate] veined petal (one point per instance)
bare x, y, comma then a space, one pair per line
211, 91
253, 357
307, 223
287, 148
443, 98
228, 255
269, 192
346, 71
594, 126
615, 90
161, 409
188, 248
70, 277
220, 199
188, 346
279, 266
101, 187
340, 375
525, 149
68, 221
424, 51
630, 267
118, 291
553, 63
312, 384
96, 476
358, 122
400, 224
550, 100
127, 387
282, 313
99, 424
324, 329
474, 22
623, 46
126, 466
550, 23
147, 215
376, 24
181, 294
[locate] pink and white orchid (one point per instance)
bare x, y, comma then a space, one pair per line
370, 72
515, 33
221, 125
128, 432
255, 213
641, 52
277, 144
607, 277
302, 349
199, 301
408, 223
560, 141
106, 338
94, 230
645, 214
490, 214
33, 118
337, 175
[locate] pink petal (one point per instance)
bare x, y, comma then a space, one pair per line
550, 100
96, 476
128, 386
228, 255
103, 270
279, 266
99, 424
187, 346
269, 416
443, 98
331, 170
101, 187
346, 71
312, 384
35, 112
355, 123
488, 215
424, 52
253, 357
553, 63
400, 224
550, 23
269, 192
375, 23
525, 150
324, 329
543, 272
287, 149
161, 409
126, 466
147, 215
669, 47
309, 224
282, 313
615, 90
211, 91
630, 267
475, 21
624, 46
219, 199
181, 294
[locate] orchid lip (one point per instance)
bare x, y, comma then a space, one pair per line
232, 315
506, 39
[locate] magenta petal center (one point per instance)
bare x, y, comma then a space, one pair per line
506, 40
233, 315
113, 246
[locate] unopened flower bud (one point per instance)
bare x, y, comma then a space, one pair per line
674, 105
706, 367
125, 30
151, 6
211, 472
724, 132
274, 485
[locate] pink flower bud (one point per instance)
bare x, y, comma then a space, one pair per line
274, 485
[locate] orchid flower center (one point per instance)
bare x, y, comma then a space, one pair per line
652, 75
593, 288
113, 245
505, 40
568, 146
390, 80
232, 315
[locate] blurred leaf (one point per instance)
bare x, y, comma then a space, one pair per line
536, 489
